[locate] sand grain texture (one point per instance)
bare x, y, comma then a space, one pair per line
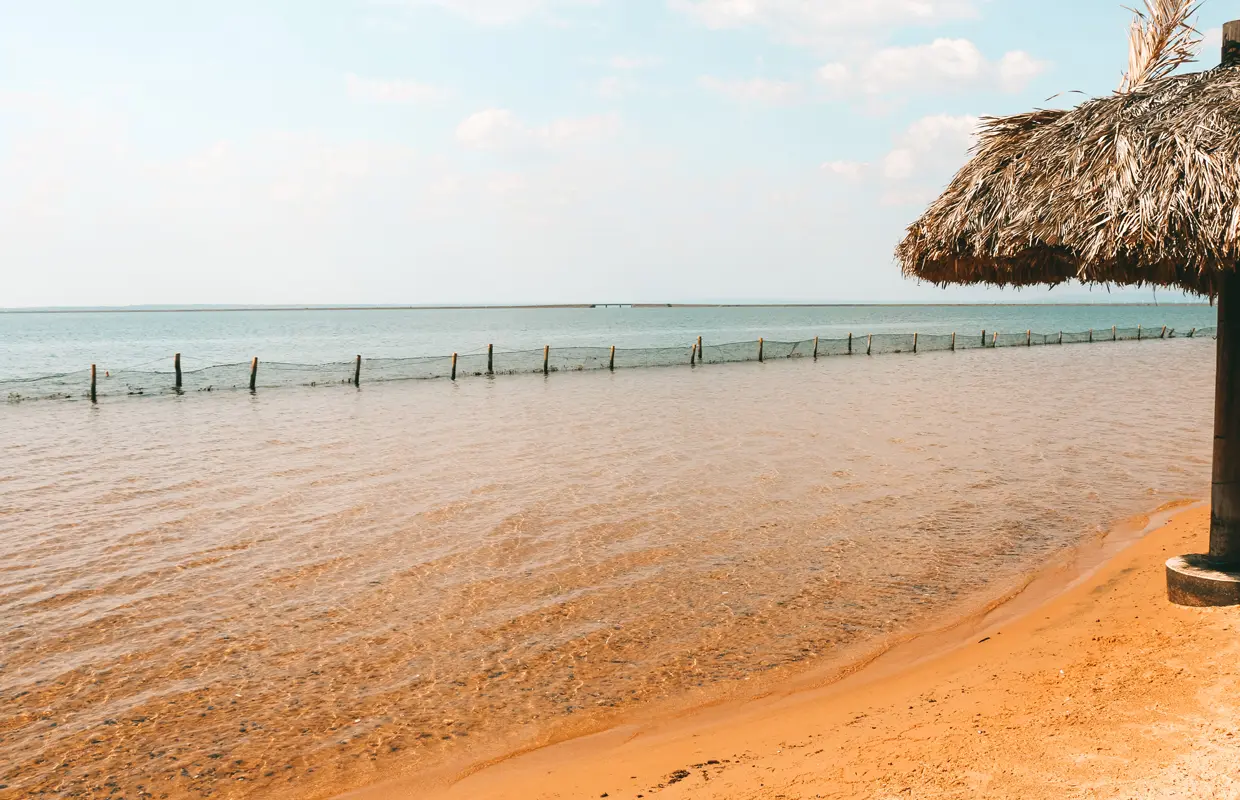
1107, 691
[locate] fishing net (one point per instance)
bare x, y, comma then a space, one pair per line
161, 379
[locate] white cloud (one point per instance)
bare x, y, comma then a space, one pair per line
500, 129
489, 130
754, 90
507, 183
925, 156
634, 62
929, 144
921, 159
496, 12
853, 170
1017, 68
819, 21
943, 64
614, 86
1211, 47
288, 218
835, 74
371, 90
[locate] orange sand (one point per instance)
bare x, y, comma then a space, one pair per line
1106, 690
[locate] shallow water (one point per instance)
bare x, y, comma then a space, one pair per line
34, 344
307, 589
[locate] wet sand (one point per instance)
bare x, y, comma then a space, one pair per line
1103, 690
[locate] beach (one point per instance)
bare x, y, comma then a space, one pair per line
303, 592
560, 399
1101, 689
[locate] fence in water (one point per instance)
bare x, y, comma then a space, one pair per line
96, 382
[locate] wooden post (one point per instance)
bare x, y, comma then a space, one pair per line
94, 398
546, 357
1189, 580
1091, 335
692, 354
815, 348
611, 364
1061, 337
1225, 489
454, 366
254, 374
850, 343
490, 359
1163, 335
983, 337
357, 371
759, 349
869, 343
176, 366
1112, 333
914, 341
1028, 337
1138, 333
701, 352
1231, 43
953, 341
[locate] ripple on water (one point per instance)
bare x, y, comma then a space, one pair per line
233, 594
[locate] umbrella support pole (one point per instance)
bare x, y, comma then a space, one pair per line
1213, 579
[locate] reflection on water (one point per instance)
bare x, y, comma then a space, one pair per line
308, 588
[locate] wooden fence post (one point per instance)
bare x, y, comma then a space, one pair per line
1061, 337
850, 343
611, 364
357, 371
869, 343
759, 349
1138, 333
692, 354
815, 348
914, 342
1091, 335
490, 359
94, 398
454, 366
701, 352
953, 341
1112, 333
254, 374
176, 366
983, 337
546, 357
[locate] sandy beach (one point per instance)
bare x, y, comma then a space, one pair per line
1087, 684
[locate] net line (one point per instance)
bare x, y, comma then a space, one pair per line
139, 380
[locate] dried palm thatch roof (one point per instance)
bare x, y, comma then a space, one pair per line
1141, 187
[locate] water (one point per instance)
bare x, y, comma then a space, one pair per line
51, 343
299, 592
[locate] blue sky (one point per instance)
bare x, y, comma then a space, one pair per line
507, 151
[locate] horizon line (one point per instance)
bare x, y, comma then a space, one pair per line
159, 309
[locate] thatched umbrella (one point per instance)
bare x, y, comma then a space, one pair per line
1141, 187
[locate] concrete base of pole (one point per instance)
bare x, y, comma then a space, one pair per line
1193, 581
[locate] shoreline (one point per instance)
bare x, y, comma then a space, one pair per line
648, 747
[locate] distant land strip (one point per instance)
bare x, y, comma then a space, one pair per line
204, 309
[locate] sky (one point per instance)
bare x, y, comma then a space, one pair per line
510, 151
